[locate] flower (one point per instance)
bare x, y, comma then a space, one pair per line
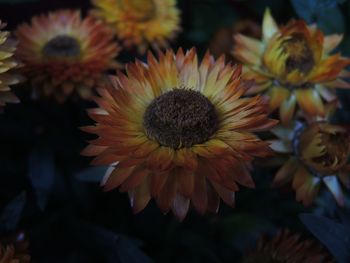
7, 64
286, 247
65, 54
140, 23
318, 153
292, 64
13, 249
178, 132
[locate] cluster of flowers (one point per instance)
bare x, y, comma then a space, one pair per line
182, 131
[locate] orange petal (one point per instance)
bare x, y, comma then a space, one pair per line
287, 109
277, 96
213, 199
185, 181
308, 191
160, 159
310, 101
117, 177
226, 195
286, 172
167, 194
140, 196
136, 177
199, 197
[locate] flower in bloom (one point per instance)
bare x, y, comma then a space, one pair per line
13, 249
292, 65
286, 247
318, 154
7, 65
140, 23
65, 54
179, 132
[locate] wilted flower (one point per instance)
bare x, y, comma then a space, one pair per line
319, 153
13, 249
292, 64
65, 54
7, 65
286, 247
140, 23
178, 132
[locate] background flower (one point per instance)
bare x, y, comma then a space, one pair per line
140, 23
65, 54
287, 247
7, 65
292, 64
318, 153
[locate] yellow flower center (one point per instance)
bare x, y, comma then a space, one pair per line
140, 10
300, 56
180, 118
327, 152
61, 46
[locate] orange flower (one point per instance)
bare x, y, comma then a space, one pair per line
319, 153
286, 247
65, 54
14, 250
178, 132
7, 65
292, 64
140, 23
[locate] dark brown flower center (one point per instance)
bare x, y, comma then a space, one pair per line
180, 118
300, 55
61, 47
330, 155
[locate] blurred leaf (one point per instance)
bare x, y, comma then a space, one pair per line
92, 175
115, 248
325, 13
11, 214
331, 234
41, 174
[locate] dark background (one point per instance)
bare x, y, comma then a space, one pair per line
52, 193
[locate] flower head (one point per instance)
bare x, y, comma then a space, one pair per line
140, 23
178, 132
65, 54
319, 153
286, 247
292, 65
7, 64
13, 249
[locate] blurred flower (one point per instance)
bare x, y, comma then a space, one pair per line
7, 64
286, 247
319, 153
222, 40
178, 132
292, 65
65, 54
140, 23
14, 249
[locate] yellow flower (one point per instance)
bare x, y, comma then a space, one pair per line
318, 154
293, 65
140, 23
178, 132
64, 54
7, 64
286, 247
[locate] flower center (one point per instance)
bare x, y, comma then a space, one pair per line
141, 10
300, 55
180, 118
61, 46
329, 155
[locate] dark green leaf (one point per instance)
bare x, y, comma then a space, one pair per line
331, 234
